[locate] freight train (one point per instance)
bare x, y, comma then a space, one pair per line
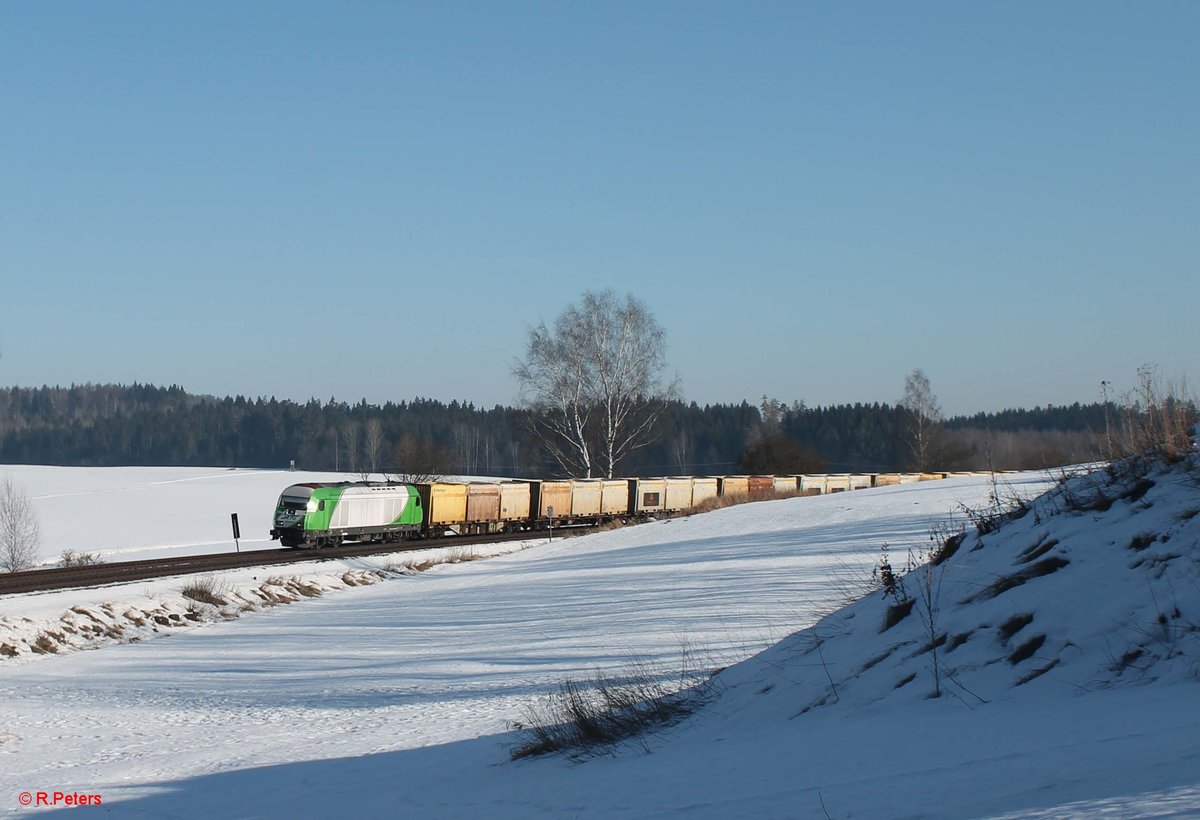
325, 515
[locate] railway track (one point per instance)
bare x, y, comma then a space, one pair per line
96, 575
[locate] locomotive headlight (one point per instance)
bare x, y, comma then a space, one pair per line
312, 505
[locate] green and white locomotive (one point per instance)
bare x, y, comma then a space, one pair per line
323, 515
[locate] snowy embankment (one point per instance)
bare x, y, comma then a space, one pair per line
392, 699
52, 623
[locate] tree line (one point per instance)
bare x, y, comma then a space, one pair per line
122, 425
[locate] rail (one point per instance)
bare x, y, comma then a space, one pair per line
120, 572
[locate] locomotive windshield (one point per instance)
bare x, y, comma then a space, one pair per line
292, 504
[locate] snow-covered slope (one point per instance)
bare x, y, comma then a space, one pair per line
392, 699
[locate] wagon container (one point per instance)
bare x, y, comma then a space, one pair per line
910, 478
813, 483
514, 500
483, 502
861, 481
615, 496
785, 484
837, 483
761, 486
678, 494
734, 485
704, 489
932, 476
886, 479
445, 503
556, 494
585, 498
958, 475
649, 494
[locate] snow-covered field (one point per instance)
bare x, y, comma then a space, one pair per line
392, 699
130, 513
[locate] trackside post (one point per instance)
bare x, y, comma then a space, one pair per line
237, 532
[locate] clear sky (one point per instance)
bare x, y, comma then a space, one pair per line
377, 200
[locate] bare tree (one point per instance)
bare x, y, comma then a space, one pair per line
924, 419
595, 382
418, 460
681, 449
373, 443
20, 532
350, 446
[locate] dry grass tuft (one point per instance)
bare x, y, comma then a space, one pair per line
44, 645
584, 718
206, 590
70, 558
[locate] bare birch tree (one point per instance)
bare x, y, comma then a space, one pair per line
924, 419
350, 446
373, 443
418, 460
595, 383
20, 532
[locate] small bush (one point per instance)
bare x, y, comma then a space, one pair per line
990, 519
70, 558
888, 579
205, 590
588, 717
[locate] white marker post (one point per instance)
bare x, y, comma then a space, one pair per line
550, 512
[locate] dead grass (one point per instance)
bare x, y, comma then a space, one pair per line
206, 590
721, 502
586, 718
70, 558
454, 555
45, 644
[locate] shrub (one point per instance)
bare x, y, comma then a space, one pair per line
205, 590
70, 558
588, 717
1155, 419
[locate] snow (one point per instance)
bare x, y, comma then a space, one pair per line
393, 698
134, 513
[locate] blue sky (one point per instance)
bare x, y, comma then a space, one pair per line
377, 200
